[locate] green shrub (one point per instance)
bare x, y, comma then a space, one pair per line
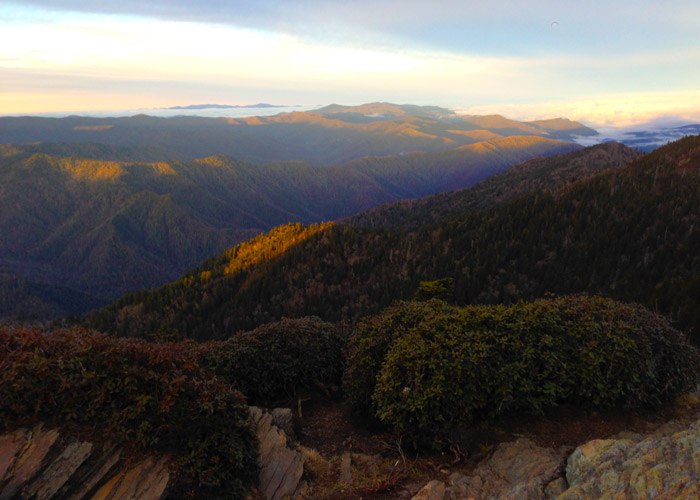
371, 340
151, 396
456, 366
276, 360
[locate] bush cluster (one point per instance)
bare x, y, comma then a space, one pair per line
152, 396
426, 368
370, 341
277, 360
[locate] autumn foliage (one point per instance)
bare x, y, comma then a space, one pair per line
177, 397
152, 396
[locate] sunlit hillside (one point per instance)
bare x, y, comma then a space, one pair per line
626, 232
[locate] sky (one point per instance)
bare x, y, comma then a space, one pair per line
606, 63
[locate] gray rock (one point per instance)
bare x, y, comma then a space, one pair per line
599, 451
434, 490
39, 464
101, 466
518, 469
10, 446
59, 471
555, 488
281, 467
145, 480
284, 419
664, 466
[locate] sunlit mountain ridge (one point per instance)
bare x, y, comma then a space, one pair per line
330, 135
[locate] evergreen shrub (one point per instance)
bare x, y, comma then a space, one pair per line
276, 360
428, 368
370, 342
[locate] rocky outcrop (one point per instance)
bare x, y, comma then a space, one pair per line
146, 480
664, 465
519, 470
281, 466
660, 466
41, 464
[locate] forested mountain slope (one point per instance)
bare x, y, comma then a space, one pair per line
101, 220
539, 173
90, 151
631, 233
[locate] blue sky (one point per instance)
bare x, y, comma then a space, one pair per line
606, 63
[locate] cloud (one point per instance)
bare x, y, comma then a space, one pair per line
136, 50
647, 135
505, 26
502, 57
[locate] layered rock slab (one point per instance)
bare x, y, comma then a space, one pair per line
41, 464
281, 466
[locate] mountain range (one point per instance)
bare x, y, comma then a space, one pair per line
331, 135
84, 223
628, 231
319, 274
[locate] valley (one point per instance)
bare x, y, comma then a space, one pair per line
88, 222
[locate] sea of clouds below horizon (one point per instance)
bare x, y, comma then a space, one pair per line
644, 136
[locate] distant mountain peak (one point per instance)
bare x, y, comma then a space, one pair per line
228, 106
563, 124
388, 110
